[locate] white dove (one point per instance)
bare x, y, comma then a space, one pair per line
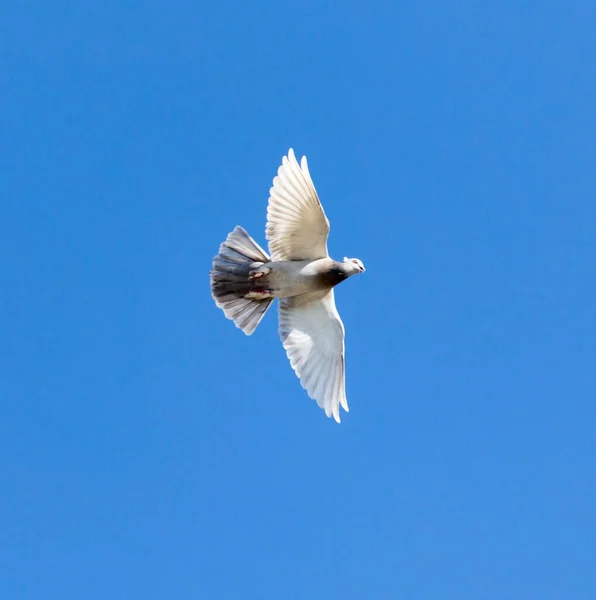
300, 273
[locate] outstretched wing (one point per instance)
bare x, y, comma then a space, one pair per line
297, 227
313, 336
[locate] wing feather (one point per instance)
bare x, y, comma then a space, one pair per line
297, 227
313, 336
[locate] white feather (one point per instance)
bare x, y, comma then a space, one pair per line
297, 227
313, 336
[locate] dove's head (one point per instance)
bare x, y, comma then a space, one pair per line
354, 265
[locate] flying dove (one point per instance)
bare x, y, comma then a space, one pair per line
245, 280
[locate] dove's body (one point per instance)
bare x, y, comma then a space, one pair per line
289, 278
258, 280
245, 280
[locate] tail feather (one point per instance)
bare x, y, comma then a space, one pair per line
230, 282
243, 246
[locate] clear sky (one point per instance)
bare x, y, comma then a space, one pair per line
149, 450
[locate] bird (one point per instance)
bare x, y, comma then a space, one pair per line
299, 272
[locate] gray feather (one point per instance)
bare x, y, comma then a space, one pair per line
230, 283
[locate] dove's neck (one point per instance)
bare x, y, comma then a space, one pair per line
334, 274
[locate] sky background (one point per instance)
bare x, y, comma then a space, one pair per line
148, 449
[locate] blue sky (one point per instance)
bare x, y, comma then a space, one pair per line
148, 449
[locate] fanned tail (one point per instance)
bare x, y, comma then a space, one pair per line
230, 282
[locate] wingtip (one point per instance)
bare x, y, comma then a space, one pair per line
291, 157
304, 167
336, 414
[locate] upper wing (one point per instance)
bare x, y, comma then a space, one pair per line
313, 336
297, 227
